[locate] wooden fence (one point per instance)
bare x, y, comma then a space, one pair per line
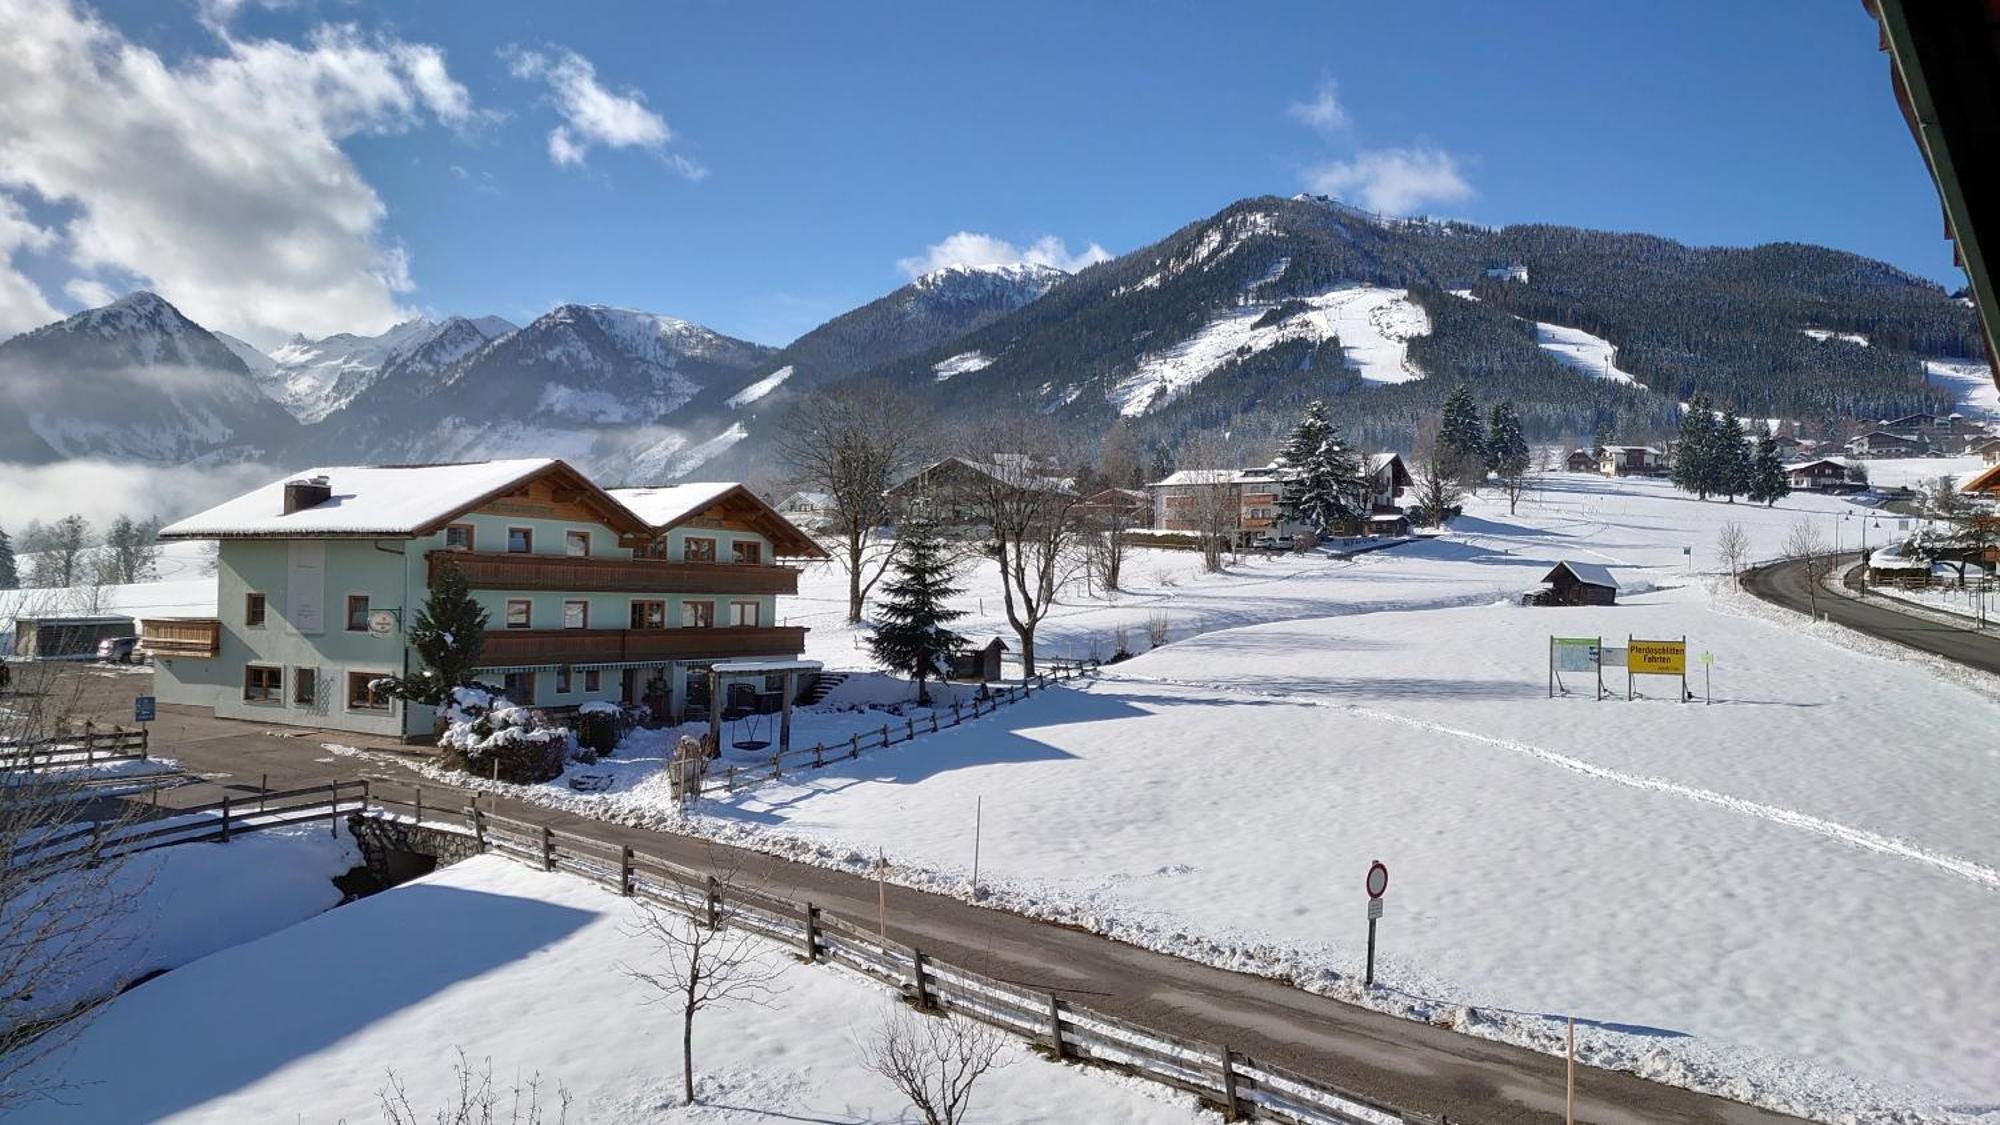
216, 820
90, 748
728, 778
1242, 1086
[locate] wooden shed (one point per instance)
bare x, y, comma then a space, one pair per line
1577, 583
67, 637
980, 663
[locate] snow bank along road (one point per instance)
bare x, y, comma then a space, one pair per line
1399, 1061
1784, 584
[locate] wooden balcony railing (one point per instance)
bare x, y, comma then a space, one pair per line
600, 575
516, 647
181, 636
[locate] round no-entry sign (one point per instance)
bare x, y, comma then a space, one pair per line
1378, 879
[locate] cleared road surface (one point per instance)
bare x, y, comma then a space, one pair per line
1786, 584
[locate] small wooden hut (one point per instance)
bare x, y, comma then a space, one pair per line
1577, 583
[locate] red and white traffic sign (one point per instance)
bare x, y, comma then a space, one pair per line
1378, 879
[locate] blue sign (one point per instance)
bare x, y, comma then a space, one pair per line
142, 708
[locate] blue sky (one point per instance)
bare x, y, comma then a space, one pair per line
761, 167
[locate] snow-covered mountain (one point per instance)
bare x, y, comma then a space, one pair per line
314, 378
133, 380
606, 387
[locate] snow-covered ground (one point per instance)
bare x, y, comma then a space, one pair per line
525, 969
964, 363
1918, 472
1771, 897
1595, 356
761, 387
1973, 383
1374, 326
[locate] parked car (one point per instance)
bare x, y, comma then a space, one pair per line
1273, 542
119, 650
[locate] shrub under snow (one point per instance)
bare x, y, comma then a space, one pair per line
485, 733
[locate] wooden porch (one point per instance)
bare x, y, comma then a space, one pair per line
181, 636
600, 575
525, 647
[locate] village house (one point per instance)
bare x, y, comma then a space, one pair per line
1582, 460
1882, 443
1117, 507
589, 597
1388, 479
1988, 450
808, 509
1255, 497
950, 487
1632, 461
1822, 475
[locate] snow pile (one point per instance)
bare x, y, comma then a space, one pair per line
964, 363
760, 388
1374, 326
1824, 334
525, 969
1592, 355
479, 723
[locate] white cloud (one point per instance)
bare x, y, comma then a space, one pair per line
22, 305
219, 180
90, 292
1324, 112
969, 249
592, 114
1395, 181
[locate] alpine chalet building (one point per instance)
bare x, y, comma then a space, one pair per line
590, 596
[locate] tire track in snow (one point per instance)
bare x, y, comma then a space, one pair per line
1970, 870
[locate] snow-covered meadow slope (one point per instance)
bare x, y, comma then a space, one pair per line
524, 970
1768, 896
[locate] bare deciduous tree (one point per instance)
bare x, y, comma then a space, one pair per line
1732, 545
62, 898
61, 550
854, 443
1033, 520
1805, 541
474, 1102
705, 962
1437, 479
935, 1061
1208, 496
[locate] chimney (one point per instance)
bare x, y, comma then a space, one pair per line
306, 492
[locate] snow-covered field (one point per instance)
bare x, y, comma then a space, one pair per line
1973, 382
1774, 896
524, 969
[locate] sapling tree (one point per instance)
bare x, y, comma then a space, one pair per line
934, 1061
913, 616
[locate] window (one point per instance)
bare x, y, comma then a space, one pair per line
262, 684
253, 611
520, 688
697, 549
519, 613
576, 614
576, 544
361, 694
305, 687
458, 537
743, 613
747, 551
357, 613
520, 540
562, 680
697, 615
649, 615
590, 679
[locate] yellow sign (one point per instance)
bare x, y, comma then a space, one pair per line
1657, 658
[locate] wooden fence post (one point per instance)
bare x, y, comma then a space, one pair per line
954, 712
333, 809
812, 933
777, 765
885, 736
1229, 1103
1055, 1026
548, 849
934, 726
854, 745
909, 728
819, 754
225, 818
478, 820
917, 972
625, 871
263, 787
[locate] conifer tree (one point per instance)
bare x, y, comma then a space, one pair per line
1767, 474
1461, 438
10, 576
1694, 455
1732, 457
1324, 488
449, 634
912, 617
1507, 450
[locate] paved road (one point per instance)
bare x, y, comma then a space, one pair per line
1785, 584
1401, 1062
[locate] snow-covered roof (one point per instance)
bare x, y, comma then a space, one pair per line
1590, 574
1211, 476
366, 500
1893, 558
670, 504
1798, 466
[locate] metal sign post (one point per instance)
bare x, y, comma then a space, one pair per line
142, 713
1378, 882
1707, 680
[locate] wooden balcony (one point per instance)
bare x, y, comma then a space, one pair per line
518, 647
181, 636
581, 575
